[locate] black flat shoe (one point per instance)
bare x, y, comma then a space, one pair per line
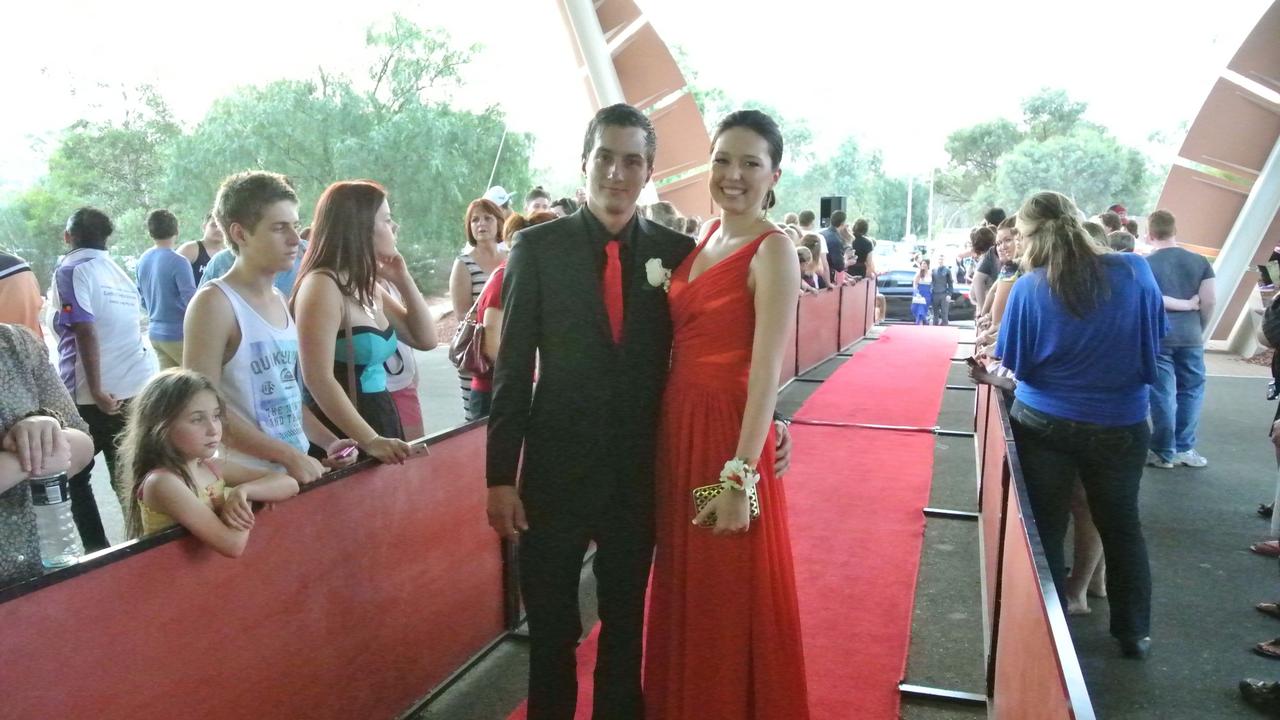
1136, 649
1265, 509
1260, 695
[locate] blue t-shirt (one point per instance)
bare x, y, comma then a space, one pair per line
1094, 369
220, 264
166, 284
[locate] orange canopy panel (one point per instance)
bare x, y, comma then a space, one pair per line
616, 15
646, 69
683, 142
1259, 56
690, 196
1234, 131
1206, 207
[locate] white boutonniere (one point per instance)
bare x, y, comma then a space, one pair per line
657, 274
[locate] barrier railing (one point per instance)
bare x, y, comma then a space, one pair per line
351, 601
1032, 667
371, 589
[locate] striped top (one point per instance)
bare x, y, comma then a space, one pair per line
478, 279
478, 276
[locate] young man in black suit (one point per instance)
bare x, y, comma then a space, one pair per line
584, 308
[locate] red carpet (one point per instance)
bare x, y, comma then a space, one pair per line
856, 532
855, 497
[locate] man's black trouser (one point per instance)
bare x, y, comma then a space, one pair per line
551, 554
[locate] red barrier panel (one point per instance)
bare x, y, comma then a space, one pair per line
853, 312
1029, 674
817, 329
1032, 668
351, 601
994, 485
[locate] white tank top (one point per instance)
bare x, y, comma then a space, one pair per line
261, 381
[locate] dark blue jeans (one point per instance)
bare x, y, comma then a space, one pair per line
1055, 451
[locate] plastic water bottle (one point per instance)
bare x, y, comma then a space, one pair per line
59, 540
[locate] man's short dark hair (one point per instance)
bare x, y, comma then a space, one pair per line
1110, 221
838, 218
1131, 227
568, 206
807, 217
994, 216
536, 193
621, 115
861, 226
89, 227
243, 198
162, 225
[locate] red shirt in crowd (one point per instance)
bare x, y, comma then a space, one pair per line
490, 297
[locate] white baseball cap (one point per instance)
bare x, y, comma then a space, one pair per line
497, 195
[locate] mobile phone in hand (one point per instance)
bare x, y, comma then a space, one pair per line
973, 361
346, 452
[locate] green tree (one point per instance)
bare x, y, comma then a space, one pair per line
398, 129
975, 157
1000, 163
1050, 113
1087, 165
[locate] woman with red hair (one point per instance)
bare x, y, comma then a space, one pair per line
472, 268
489, 310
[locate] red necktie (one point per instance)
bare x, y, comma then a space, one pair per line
611, 288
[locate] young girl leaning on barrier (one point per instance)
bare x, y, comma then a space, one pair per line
167, 455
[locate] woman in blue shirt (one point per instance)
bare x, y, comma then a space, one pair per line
1080, 333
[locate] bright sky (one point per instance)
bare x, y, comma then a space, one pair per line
898, 75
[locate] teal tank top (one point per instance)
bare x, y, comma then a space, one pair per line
371, 347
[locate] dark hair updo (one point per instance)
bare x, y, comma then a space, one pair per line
762, 125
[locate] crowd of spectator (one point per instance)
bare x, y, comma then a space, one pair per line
241, 366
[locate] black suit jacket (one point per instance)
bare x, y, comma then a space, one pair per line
588, 429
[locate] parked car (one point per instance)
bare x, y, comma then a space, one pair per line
895, 285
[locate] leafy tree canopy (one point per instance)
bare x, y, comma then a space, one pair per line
396, 128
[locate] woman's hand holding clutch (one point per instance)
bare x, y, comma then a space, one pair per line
731, 510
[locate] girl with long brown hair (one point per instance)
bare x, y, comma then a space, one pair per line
348, 324
171, 476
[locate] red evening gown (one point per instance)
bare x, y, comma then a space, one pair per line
723, 631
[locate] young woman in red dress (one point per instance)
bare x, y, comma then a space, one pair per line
723, 638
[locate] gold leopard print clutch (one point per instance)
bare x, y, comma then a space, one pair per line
706, 493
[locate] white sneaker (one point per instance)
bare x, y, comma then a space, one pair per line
1155, 460
1190, 458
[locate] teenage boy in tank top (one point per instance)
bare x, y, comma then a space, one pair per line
239, 334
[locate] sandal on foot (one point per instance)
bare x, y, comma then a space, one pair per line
1265, 509
1270, 548
1269, 649
1272, 609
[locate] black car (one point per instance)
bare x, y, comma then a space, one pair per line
895, 285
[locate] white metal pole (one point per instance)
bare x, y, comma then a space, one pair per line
910, 182
932, 172
595, 51
1251, 224
497, 157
